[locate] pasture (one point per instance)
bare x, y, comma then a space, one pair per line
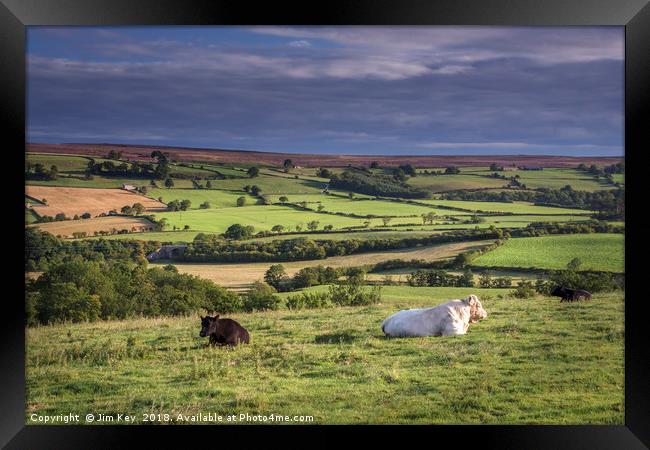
443, 183
77, 201
532, 361
242, 275
503, 207
216, 198
66, 228
600, 251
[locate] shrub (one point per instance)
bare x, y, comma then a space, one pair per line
524, 289
308, 300
351, 293
261, 297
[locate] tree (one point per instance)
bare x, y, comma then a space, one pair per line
485, 280
574, 264
247, 188
275, 275
204, 205
351, 195
238, 232
386, 220
162, 224
186, 227
185, 205
137, 209
54, 173
277, 228
287, 164
283, 199
86, 215
126, 210
494, 167
313, 225
174, 205
169, 183
320, 208
255, 190
323, 173
374, 165
241, 201
452, 170
253, 172
208, 184
328, 227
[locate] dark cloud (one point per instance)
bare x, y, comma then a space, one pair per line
347, 89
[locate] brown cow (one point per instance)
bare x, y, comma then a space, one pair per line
223, 331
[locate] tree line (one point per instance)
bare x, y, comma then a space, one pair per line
374, 184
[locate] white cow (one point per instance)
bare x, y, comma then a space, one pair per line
449, 319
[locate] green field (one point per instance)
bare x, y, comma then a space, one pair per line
529, 362
442, 183
515, 207
558, 178
599, 251
216, 198
364, 207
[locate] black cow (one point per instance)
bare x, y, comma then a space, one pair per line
570, 295
223, 331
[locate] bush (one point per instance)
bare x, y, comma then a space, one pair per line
351, 293
524, 289
308, 300
261, 297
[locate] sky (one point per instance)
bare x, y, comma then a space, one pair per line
379, 90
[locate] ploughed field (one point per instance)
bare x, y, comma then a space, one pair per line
242, 275
77, 201
533, 361
599, 251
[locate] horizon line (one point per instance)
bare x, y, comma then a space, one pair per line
323, 154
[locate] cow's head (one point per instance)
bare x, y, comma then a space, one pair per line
208, 325
476, 311
558, 291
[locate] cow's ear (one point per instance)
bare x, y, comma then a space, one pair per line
216, 317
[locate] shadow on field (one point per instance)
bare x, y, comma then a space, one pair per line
344, 337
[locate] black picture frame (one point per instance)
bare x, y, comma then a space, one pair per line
634, 15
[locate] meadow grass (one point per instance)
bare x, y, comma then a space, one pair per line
597, 251
515, 207
216, 198
442, 183
533, 361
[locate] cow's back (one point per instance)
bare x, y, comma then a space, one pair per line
233, 332
412, 322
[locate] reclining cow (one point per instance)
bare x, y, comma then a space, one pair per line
223, 331
449, 319
570, 295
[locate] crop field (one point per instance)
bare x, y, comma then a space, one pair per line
77, 201
216, 198
240, 275
596, 251
515, 207
529, 362
442, 183
65, 163
66, 228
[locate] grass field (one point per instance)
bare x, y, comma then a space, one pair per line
241, 275
71, 201
515, 207
65, 228
216, 198
442, 183
529, 362
335, 204
599, 251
